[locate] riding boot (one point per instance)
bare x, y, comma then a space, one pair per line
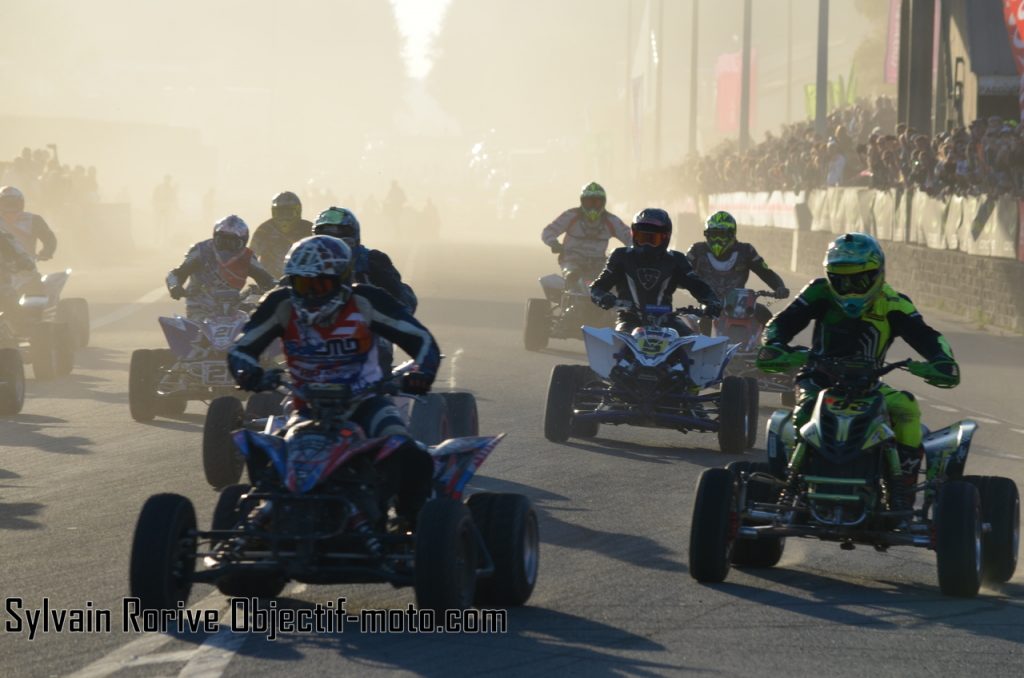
414, 482
903, 489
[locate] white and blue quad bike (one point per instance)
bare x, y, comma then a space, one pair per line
564, 308
653, 377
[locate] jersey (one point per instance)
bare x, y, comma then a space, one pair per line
28, 229
733, 271
271, 242
205, 272
584, 240
650, 281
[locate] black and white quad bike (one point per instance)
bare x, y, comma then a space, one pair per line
739, 323
563, 310
46, 328
431, 419
835, 483
319, 510
163, 380
653, 377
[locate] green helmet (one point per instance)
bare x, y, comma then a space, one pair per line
855, 267
340, 223
720, 232
592, 201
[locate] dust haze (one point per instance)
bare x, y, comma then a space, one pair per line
509, 109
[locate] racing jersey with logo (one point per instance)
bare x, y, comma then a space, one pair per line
343, 350
375, 267
208, 272
732, 271
28, 228
650, 281
271, 242
889, 316
584, 240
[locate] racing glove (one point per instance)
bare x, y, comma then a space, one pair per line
44, 256
416, 383
177, 292
940, 373
605, 300
712, 309
556, 247
775, 357
246, 372
782, 292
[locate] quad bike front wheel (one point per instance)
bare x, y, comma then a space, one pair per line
226, 516
12, 382
958, 539
559, 409
712, 528
446, 556
163, 552
508, 525
222, 463
143, 374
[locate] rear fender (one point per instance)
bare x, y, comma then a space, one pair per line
710, 355
181, 334
457, 459
553, 286
946, 449
54, 283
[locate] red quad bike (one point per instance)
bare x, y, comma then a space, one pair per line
431, 419
564, 309
739, 323
835, 482
318, 512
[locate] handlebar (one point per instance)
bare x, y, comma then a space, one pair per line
658, 311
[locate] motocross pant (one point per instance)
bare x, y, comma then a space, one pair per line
409, 470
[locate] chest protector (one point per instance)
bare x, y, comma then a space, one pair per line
342, 352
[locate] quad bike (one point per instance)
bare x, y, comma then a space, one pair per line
739, 323
564, 309
653, 377
836, 482
45, 328
431, 419
318, 512
162, 381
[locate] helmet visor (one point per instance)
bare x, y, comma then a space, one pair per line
853, 283
11, 203
592, 202
227, 242
344, 231
286, 212
650, 238
314, 288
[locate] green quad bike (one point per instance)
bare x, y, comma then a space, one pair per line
835, 483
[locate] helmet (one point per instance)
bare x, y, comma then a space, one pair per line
340, 223
230, 234
720, 232
319, 271
592, 201
286, 206
652, 230
11, 199
855, 266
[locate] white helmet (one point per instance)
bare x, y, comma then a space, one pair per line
230, 233
319, 270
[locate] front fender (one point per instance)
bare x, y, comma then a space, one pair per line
457, 459
946, 449
252, 443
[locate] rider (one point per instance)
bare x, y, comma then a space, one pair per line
26, 227
221, 263
285, 227
725, 264
328, 327
371, 266
587, 229
857, 314
647, 274
13, 260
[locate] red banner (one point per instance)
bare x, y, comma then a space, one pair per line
728, 84
1013, 13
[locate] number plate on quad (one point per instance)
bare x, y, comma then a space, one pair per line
215, 373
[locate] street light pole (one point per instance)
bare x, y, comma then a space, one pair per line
694, 34
821, 86
745, 79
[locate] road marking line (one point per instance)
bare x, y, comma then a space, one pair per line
298, 589
163, 658
214, 655
1003, 455
454, 361
128, 309
1018, 430
149, 643
986, 420
945, 408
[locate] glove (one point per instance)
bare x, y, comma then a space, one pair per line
782, 293
606, 300
177, 292
44, 256
775, 358
712, 309
940, 373
245, 371
556, 247
416, 383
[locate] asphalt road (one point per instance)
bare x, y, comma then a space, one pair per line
614, 596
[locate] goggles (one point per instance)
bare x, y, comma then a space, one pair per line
315, 287
853, 283
650, 238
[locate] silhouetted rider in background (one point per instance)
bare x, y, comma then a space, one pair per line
648, 273
27, 228
587, 229
275, 236
13, 260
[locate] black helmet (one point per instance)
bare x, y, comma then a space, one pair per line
340, 223
286, 206
652, 230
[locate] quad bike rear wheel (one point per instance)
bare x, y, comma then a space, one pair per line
763, 551
163, 552
1000, 508
222, 462
75, 312
538, 324
733, 416
446, 556
12, 382
508, 525
428, 419
753, 410
463, 419
43, 351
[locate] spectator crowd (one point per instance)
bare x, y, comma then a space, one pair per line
50, 187
868, 148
